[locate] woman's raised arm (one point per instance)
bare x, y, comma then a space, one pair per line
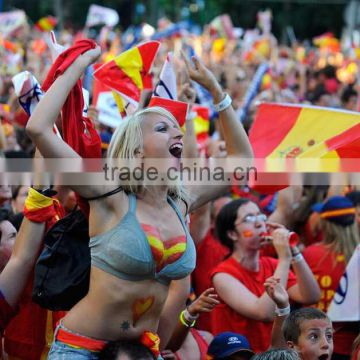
236, 139
40, 125
41, 122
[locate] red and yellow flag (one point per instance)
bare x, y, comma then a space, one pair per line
128, 73
327, 41
201, 123
291, 131
46, 24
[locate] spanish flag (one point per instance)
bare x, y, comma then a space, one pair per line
46, 24
201, 123
262, 47
328, 42
283, 131
128, 73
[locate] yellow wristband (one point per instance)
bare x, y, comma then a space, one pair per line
184, 322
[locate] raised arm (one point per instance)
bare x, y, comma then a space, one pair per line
288, 200
237, 142
41, 122
280, 297
27, 245
187, 94
16, 272
307, 290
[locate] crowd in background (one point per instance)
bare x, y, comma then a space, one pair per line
234, 301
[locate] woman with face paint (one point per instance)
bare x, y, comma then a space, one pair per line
141, 250
239, 280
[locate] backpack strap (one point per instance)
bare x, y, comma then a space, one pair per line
112, 192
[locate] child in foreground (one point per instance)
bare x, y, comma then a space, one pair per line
308, 331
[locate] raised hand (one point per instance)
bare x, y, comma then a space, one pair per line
281, 243
55, 48
204, 303
89, 57
276, 292
187, 94
202, 75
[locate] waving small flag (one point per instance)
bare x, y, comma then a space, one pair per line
99, 15
11, 21
166, 87
201, 123
327, 41
128, 74
46, 24
28, 91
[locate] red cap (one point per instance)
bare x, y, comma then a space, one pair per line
177, 109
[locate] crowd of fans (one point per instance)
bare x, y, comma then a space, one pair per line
234, 302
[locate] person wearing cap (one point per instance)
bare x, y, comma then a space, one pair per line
141, 250
230, 346
328, 259
354, 196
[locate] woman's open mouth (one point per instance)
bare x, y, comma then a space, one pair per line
323, 357
176, 150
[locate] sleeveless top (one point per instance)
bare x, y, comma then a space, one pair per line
126, 252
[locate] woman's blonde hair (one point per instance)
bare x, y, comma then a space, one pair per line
127, 141
341, 239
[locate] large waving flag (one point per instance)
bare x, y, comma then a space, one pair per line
346, 302
166, 87
292, 131
129, 73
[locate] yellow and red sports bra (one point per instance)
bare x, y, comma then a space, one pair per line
135, 252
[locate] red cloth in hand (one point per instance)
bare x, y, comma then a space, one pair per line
77, 130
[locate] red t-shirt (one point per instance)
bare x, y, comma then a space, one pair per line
328, 269
224, 318
6, 313
209, 254
28, 332
25, 334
